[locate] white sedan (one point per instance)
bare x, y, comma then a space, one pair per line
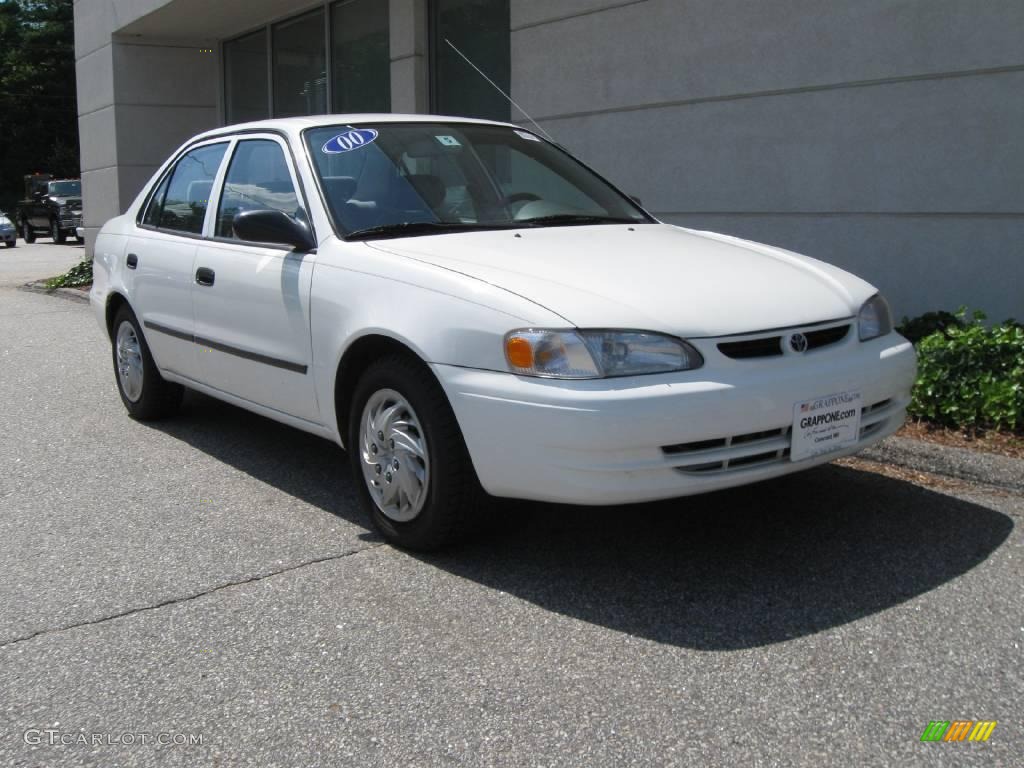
469, 309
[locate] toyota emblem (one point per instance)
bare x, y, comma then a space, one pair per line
798, 342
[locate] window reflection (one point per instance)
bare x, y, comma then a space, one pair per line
361, 56
257, 179
300, 66
480, 29
245, 78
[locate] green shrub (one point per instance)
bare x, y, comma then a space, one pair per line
917, 328
971, 376
78, 275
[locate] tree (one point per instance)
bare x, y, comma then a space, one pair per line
38, 105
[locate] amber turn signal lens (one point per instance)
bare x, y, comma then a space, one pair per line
519, 352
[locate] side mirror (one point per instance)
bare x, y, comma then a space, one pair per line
267, 226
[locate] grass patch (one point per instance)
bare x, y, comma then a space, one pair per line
78, 276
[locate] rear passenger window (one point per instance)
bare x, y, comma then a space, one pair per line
156, 203
257, 179
188, 194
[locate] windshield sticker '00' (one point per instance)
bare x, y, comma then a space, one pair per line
346, 142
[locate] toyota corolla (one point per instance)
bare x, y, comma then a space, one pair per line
466, 308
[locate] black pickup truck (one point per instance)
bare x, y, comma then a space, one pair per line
51, 206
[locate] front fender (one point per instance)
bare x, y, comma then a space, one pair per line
443, 317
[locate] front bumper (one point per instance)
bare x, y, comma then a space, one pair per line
70, 221
632, 439
8, 236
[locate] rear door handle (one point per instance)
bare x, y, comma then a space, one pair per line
133, 261
205, 276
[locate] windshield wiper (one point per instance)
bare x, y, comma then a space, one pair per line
412, 228
575, 218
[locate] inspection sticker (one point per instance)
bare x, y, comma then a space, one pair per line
448, 141
349, 140
825, 424
527, 136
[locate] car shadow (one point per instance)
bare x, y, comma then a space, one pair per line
734, 569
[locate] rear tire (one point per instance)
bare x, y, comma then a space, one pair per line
26, 233
56, 233
410, 465
144, 392
11, 243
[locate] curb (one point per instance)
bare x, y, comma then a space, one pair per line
960, 463
72, 294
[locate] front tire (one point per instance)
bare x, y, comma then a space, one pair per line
27, 234
55, 232
11, 243
144, 392
409, 462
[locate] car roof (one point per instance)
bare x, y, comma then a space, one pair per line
295, 125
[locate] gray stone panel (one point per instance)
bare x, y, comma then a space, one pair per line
166, 75
148, 134
948, 145
665, 50
920, 263
94, 77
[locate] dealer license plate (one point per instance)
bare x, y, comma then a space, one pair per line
825, 424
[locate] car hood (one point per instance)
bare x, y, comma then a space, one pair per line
649, 276
70, 201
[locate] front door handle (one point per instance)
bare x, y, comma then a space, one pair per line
133, 261
205, 276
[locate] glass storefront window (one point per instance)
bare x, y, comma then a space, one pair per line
245, 78
361, 56
480, 29
300, 66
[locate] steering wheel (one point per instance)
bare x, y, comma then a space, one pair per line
522, 197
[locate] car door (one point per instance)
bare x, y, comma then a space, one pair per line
251, 300
160, 257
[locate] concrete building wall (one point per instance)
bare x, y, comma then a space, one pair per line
880, 135
139, 98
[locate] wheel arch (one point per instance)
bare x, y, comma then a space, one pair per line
115, 301
356, 358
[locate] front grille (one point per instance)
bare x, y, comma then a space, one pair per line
826, 336
768, 346
722, 455
771, 346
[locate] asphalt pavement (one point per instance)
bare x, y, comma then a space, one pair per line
204, 591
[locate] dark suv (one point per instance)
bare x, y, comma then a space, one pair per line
52, 207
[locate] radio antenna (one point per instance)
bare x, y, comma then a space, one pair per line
498, 89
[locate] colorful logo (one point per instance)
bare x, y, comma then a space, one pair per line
959, 730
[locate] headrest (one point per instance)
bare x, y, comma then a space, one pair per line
199, 190
429, 187
339, 189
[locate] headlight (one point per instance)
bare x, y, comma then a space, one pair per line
874, 318
596, 354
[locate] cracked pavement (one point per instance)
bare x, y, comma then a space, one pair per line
212, 576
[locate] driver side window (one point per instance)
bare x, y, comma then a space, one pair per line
257, 179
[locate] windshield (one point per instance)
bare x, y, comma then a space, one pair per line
66, 188
424, 178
